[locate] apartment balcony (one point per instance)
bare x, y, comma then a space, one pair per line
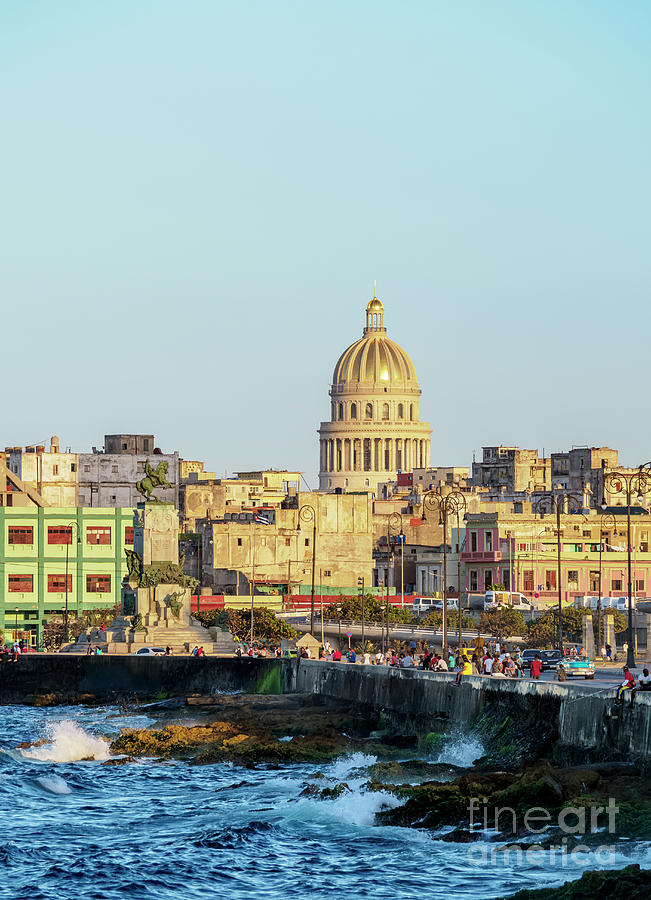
481, 556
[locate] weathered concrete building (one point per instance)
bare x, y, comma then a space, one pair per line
200, 498
511, 469
52, 474
239, 549
109, 479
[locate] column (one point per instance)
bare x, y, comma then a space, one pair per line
338, 460
347, 454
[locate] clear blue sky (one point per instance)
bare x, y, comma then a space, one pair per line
197, 196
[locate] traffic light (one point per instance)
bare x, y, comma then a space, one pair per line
360, 587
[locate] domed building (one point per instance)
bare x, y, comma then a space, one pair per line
374, 431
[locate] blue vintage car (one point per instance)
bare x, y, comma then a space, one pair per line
579, 666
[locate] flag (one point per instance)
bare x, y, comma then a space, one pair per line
261, 519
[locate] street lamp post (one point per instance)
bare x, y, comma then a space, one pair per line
602, 522
68, 542
307, 513
639, 483
394, 521
558, 502
447, 505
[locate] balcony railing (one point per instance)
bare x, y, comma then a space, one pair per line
481, 555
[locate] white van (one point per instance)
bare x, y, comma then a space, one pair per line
514, 599
423, 605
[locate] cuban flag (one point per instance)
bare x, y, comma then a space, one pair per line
261, 519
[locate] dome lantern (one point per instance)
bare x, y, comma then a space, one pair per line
374, 314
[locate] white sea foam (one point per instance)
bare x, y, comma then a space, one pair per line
461, 750
53, 784
68, 742
344, 765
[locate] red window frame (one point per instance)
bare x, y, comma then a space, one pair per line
20, 534
128, 534
20, 584
56, 584
98, 584
59, 534
98, 534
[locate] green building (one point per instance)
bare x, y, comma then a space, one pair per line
58, 556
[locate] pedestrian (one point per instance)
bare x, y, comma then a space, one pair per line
488, 664
536, 667
561, 674
609, 652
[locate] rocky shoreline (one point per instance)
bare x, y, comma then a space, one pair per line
514, 774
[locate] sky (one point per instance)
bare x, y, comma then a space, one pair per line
197, 197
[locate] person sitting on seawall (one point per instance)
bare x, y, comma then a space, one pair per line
627, 684
644, 684
336, 655
406, 661
441, 666
466, 668
351, 656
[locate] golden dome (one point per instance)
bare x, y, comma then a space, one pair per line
374, 357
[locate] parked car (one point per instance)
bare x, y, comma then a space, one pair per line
551, 658
151, 651
528, 657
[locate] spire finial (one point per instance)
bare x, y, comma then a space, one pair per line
375, 290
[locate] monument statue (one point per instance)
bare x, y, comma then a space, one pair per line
154, 478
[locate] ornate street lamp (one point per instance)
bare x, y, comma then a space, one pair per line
394, 522
603, 520
307, 513
65, 622
450, 504
558, 502
638, 483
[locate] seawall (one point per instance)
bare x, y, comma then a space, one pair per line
585, 721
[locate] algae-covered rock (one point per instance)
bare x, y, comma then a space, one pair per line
334, 792
631, 883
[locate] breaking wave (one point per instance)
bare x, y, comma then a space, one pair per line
68, 742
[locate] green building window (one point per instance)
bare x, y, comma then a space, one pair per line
98, 584
98, 535
59, 534
21, 535
56, 584
20, 584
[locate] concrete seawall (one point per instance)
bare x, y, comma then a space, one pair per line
585, 720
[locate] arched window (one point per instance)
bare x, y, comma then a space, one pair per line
411, 412
341, 411
353, 410
385, 411
369, 410
401, 411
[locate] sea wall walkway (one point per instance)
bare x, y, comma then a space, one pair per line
584, 717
